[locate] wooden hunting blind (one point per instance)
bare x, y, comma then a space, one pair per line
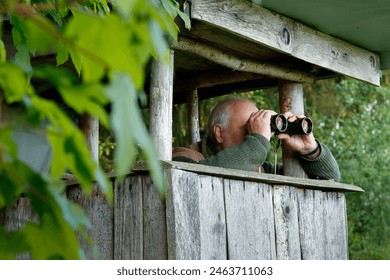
216, 213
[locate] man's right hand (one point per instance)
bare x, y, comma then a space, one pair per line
260, 122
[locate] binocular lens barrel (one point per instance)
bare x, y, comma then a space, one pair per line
279, 124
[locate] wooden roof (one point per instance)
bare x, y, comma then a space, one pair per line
237, 45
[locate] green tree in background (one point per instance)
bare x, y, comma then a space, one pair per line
108, 43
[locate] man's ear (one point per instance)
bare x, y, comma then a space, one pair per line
218, 133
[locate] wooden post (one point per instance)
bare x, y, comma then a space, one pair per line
161, 97
291, 99
193, 116
89, 125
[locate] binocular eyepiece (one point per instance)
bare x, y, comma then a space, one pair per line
280, 124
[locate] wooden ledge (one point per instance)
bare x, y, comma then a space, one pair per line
324, 185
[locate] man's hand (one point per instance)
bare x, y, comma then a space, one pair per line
300, 143
260, 122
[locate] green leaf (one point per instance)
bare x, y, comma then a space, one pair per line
122, 94
13, 82
129, 129
87, 98
2, 52
83, 98
12, 244
69, 148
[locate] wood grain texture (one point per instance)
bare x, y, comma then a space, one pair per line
154, 223
325, 185
128, 219
193, 116
183, 216
311, 224
212, 218
100, 214
161, 99
286, 223
257, 24
336, 226
250, 220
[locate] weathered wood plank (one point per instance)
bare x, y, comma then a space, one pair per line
128, 219
257, 24
13, 219
249, 220
183, 216
286, 223
154, 220
89, 125
311, 224
212, 218
100, 214
291, 100
336, 227
161, 99
325, 185
193, 116
238, 63
213, 78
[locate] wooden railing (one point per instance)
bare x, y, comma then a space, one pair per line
212, 213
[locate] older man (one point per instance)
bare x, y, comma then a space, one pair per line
238, 137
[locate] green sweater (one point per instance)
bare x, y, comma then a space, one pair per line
250, 154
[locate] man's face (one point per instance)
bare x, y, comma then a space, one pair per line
237, 125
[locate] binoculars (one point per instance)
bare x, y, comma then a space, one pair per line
280, 124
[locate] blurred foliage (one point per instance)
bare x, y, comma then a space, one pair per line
108, 45
352, 118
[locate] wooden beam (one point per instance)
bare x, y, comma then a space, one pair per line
193, 116
276, 180
89, 125
213, 78
291, 99
161, 96
238, 63
257, 24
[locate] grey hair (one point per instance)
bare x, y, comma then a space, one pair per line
220, 114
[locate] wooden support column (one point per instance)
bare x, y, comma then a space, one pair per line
161, 97
89, 125
291, 99
193, 116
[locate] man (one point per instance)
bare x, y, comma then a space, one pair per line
238, 137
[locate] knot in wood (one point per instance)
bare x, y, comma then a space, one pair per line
285, 36
372, 61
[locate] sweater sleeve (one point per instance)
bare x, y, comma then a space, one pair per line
249, 155
323, 167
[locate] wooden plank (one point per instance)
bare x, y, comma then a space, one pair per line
128, 219
311, 224
183, 217
212, 218
89, 125
238, 63
161, 99
213, 78
249, 220
291, 100
193, 116
286, 223
100, 214
155, 229
336, 227
15, 218
326, 185
257, 24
